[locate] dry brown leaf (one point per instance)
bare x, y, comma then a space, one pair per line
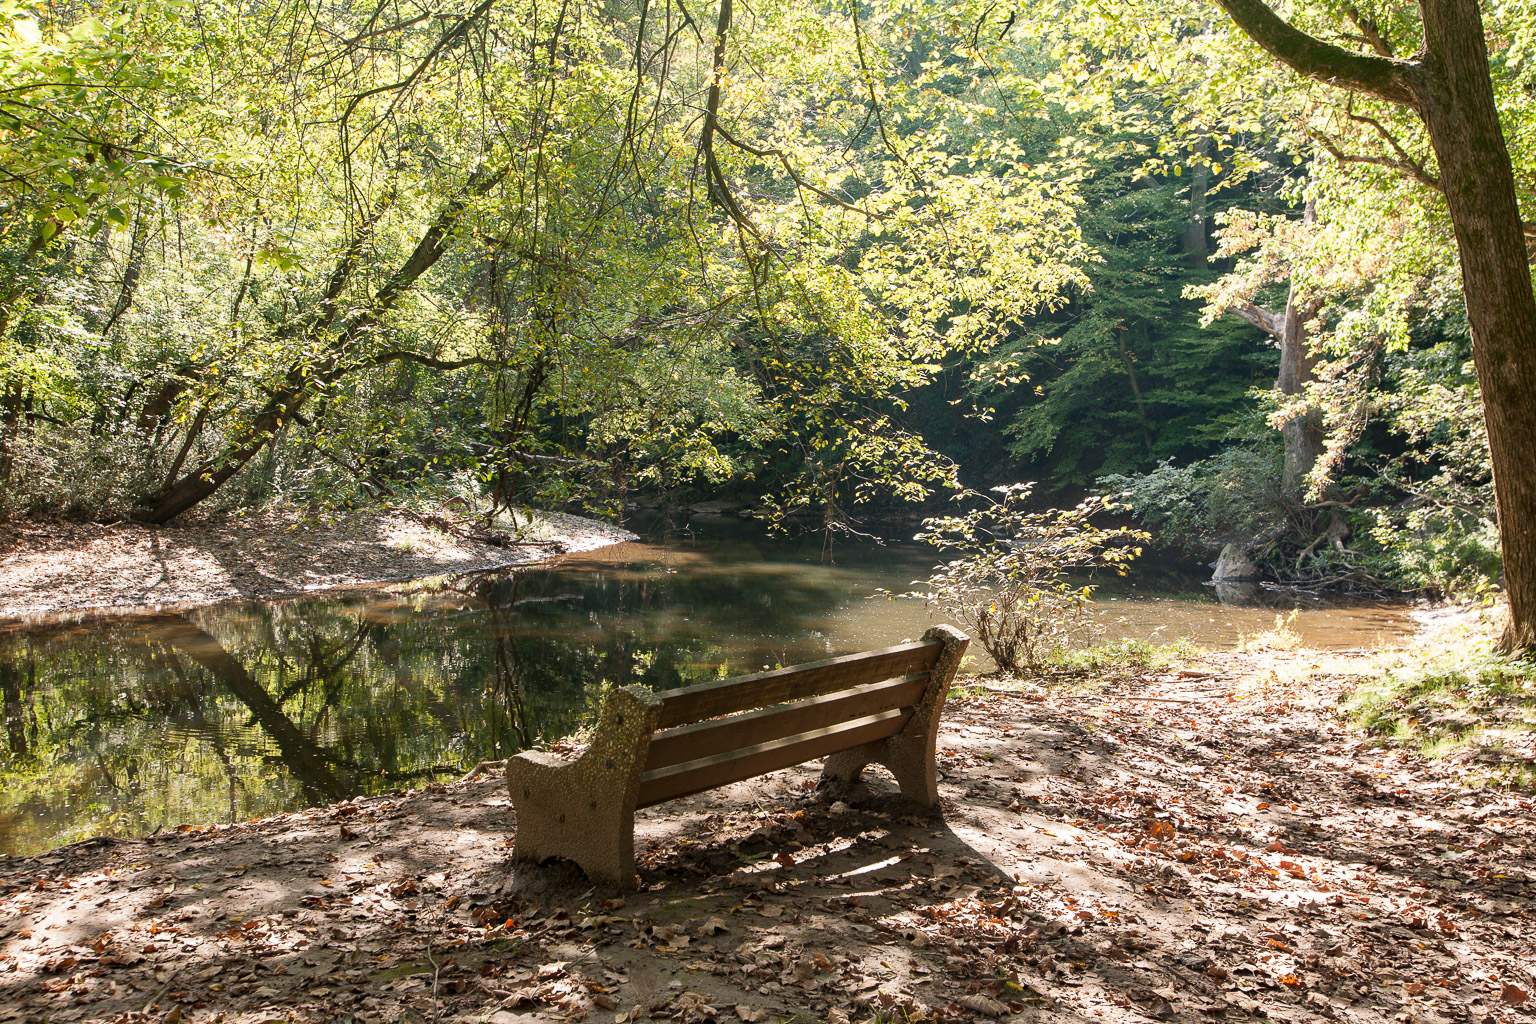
979, 1003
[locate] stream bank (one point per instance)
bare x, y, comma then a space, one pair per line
58, 569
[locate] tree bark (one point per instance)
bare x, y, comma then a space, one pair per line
1451, 88
1302, 429
1463, 121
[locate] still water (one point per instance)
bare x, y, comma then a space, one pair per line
123, 726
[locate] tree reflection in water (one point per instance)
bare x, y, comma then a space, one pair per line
125, 726
230, 712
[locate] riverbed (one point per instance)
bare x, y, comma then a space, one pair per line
240, 710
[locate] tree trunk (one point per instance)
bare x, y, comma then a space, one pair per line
1302, 430
1460, 112
1194, 243
1141, 406
310, 763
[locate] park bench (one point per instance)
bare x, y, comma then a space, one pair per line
879, 707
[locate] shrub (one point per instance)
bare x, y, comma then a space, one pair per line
1231, 495
1017, 583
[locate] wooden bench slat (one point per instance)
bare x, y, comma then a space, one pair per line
719, 735
735, 765
741, 693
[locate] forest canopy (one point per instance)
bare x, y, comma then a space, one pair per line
838, 258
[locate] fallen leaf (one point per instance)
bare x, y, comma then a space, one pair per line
979, 1003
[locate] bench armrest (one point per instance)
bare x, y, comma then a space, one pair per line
585, 809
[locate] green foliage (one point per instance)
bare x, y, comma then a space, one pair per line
1016, 585
1460, 701
1440, 536
1129, 377
485, 253
1437, 551
1231, 495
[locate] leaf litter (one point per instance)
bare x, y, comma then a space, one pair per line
1207, 845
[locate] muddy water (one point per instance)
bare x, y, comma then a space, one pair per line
237, 711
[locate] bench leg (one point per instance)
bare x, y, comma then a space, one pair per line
584, 810
910, 753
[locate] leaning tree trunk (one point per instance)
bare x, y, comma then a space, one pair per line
305, 379
1462, 116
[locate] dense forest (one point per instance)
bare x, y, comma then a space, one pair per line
844, 260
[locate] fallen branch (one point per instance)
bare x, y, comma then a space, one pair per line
483, 766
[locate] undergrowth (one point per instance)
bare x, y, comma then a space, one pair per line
1123, 657
1459, 701
1283, 637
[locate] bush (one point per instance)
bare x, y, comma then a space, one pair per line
1442, 551
1233, 495
1012, 586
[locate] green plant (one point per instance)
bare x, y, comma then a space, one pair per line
1463, 701
1283, 637
1233, 494
1017, 583
1124, 656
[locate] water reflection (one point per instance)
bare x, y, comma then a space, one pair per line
125, 726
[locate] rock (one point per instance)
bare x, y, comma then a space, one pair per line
1239, 594
1234, 565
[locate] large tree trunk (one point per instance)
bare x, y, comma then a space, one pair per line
1302, 429
1459, 110
311, 764
1451, 88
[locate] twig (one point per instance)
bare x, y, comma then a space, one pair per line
483, 766
435, 971
1159, 700
157, 996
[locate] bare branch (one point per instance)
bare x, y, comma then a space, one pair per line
1263, 319
1410, 167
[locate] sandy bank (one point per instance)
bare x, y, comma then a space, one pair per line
48, 570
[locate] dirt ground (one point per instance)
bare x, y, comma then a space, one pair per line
47, 570
1208, 844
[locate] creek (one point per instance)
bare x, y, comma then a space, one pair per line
122, 726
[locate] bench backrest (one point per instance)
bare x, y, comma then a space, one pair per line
781, 718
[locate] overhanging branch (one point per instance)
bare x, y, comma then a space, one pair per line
1387, 78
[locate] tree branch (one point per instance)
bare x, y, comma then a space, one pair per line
1386, 78
1263, 319
789, 168
1410, 167
1370, 31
